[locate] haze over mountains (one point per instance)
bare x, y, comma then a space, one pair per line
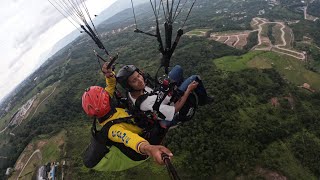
115, 8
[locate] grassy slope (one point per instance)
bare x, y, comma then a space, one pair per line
43, 99
235, 63
3, 122
277, 34
313, 53
290, 68
51, 149
198, 31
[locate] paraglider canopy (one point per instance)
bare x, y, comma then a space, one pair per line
76, 12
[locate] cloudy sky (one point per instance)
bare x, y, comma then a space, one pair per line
28, 30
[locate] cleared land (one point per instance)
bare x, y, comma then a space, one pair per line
232, 40
282, 34
237, 39
284, 47
242, 41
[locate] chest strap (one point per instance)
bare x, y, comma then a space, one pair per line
160, 97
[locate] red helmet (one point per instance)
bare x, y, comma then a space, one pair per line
96, 102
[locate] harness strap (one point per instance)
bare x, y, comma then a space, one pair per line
94, 128
140, 100
160, 97
108, 115
144, 119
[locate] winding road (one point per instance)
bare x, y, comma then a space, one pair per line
263, 41
42, 102
307, 16
3, 130
36, 108
36, 151
279, 47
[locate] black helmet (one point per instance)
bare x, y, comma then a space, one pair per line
124, 73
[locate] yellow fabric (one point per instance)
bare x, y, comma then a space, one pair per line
111, 84
125, 133
120, 133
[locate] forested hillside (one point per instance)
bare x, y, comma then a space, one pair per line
261, 122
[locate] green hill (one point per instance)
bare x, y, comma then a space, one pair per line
290, 68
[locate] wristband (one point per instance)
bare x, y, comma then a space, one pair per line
139, 145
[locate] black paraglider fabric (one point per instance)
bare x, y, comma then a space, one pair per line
94, 153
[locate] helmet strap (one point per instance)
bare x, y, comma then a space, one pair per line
133, 90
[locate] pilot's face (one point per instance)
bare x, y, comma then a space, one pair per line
136, 81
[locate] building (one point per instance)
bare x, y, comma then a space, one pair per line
9, 171
42, 174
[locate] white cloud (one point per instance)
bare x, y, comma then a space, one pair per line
30, 28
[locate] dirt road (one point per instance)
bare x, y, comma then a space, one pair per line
3, 130
279, 47
42, 102
36, 108
36, 151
